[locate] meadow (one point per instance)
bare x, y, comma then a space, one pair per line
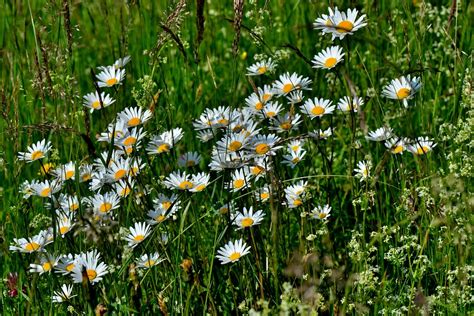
257, 157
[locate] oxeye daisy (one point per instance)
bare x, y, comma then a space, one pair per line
286, 123
324, 23
363, 170
147, 261
346, 23
240, 180
36, 151
26, 188
200, 181
159, 215
29, 245
110, 77
189, 159
380, 134
271, 110
421, 146
47, 263
226, 160
396, 145
293, 157
137, 234
68, 203
47, 188
88, 268
65, 223
115, 131
295, 97
227, 208
348, 104
261, 67
178, 180
63, 295
320, 134
264, 145
247, 218
295, 194
232, 143
134, 116
93, 101
317, 107
287, 83
104, 203
164, 142
259, 167
321, 212
119, 169
403, 89
232, 251
66, 264
263, 194
205, 136
328, 58
85, 172
132, 137
121, 62
65, 172
124, 187
167, 203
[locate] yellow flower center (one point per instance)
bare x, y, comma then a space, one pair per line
166, 204
129, 150
119, 174
286, 125
32, 246
190, 163
258, 106
69, 267
297, 202
138, 238
73, 207
262, 70
256, 170
247, 222
234, 256
37, 155
330, 62
403, 93
264, 195
186, 185
63, 229
47, 266
398, 149
271, 114
45, 192
110, 82
91, 274
239, 183
69, 174
422, 150
129, 141
160, 218
125, 191
287, 87
295, 147
149, 263
262, 149
223, 121
86, 177
344, 26
365, 172
322, 215
223, 210
96, 104
163, 148
266, 96
235, 145
46, 168
200, 187
105, 207
134, 121
295, 160
318, 110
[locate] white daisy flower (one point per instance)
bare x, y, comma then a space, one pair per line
36, 151
232, 251
66, 264
65, 223
264, 145
110, 77
85, 172
348, 104
26, 188
134, 116
47, 188
200, 181
124, 187
293, 157
164, 142
115, 131
63, 295
88, 268
396, 145
178, 180
324, 23
363, 170
346, 23
380, 134
240, 180
93, 101
104, 203
147, 261
29, 245
317, 107
189, 159
271, 110
328, 58
295, 97
232, 142
119, 169
247, 218
261, 67
132, 137
403, 89
287, 83
65, 172
320, 134
138, 233
263, 194
47, 263
321, 212
421, 146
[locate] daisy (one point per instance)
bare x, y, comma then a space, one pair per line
348, 104
178, 180
124, 187
264, 145
132, 137
167, 203
363, 170
26, 188
328, 58
247, 218
85, 172
164, 142
421, 146
65, 172
104, 203
47, 188
286, 123
321, 212
232, 251
121, 62
240, 180
346, 23
261, 67
295, 97
287, 83
259, 167
149, 260
134, 116
200, 181
226, 160
263, 194
115, 131
295, 145
63, 295
205, 136
296, 194
93, 101
159, 215
189, 159
227, 208
66, 264
380, 134
137, 234
403, 89
324, 23
68, 203
29, 245
396, 145
110, 77
65, 223
317, 107
119, 169
320, 134
293, 157
88, 268
47, 263
36, 151
232, 143
271, 110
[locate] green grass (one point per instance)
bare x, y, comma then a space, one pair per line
399, 243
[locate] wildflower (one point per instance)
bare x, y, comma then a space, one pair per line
137, 234
189, 159
296, 194
68, 203
233, 142
396, 145
287, 83
47, 188
380, 134
29, 245
93, 101
200, 181
134, 116
261, 67
294, 157
247, 218
240, 180
317, 107
63, 295
227, 208
104, 203
324, 23
164, 142
321, 212
348, 104
121, 62
271, 110
36, 151
88, 268
65, 172
263, 194
363, 170
124, 187
421, 146
131, 138
328, 58
65, 223
47, 263
178, 180
110, 77
346, 23
147, 261
115, 132
295, 97
119, 169
66, 264
232, 251
286, 123
26, 188
403, 89
264, 145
